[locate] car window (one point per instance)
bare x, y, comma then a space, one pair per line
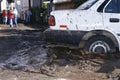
87, 4
119, 5
112, 7
101, 7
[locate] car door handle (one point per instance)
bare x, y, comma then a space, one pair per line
114, 20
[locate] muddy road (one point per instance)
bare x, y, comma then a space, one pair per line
23, 56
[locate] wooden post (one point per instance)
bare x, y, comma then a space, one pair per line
0, 5
29, 4
41, 2
51, 5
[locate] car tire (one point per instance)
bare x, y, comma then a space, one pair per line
99, 44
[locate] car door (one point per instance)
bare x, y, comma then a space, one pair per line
111, 16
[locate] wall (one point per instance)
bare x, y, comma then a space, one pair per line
65, 5
35, 3
4, 5
22, 6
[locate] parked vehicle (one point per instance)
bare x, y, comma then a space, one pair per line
93, 26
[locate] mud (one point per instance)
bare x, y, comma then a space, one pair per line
24, 55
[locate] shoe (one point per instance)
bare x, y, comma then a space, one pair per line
11, 25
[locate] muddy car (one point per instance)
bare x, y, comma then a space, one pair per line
93, 26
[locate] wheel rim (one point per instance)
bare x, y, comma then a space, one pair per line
99, 47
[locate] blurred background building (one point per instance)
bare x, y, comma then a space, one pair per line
40, 8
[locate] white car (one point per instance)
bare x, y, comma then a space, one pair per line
93, 26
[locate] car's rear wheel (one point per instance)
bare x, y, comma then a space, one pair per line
100, 44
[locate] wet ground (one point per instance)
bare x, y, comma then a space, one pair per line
24, 55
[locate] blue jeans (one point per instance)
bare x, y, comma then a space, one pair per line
27, 18
15, 21
11, 22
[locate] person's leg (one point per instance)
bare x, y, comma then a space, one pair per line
6, 20
3, 20
11, 22
28, 18
15, 22
25, 18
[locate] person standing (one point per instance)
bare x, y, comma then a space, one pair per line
4, 16
11, 16
15, 16
28, 14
